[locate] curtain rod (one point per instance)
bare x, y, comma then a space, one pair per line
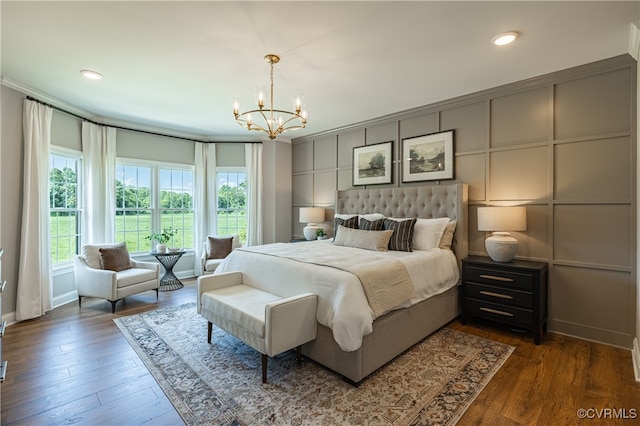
123, 128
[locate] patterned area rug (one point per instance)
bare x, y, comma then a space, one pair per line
220, 384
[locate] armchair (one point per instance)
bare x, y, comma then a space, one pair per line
209, 265
94, 281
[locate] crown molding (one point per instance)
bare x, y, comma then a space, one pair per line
106, 121
52, 100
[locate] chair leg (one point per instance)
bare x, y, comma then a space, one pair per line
299, 354
113, 306
209, 330
157, 294
264, 368
79, 301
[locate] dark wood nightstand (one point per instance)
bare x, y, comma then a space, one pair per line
512, 293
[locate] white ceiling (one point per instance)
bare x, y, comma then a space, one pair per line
177, 66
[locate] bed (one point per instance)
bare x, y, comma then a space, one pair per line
356, 337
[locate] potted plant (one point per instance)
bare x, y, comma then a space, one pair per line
321, 234
162, 238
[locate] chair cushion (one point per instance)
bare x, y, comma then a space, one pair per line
220, 247
210, 265
241, 305
133, 276
115, 258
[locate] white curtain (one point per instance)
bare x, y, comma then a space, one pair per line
99, 170
253, 164
204, 198
35, 289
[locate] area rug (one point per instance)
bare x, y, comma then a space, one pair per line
220, 383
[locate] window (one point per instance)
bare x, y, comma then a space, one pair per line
133, 206
176, 203
64, 205
151, 198
232, 203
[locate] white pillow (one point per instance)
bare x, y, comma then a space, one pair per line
369, 217
91, 253
428, 233
358, 238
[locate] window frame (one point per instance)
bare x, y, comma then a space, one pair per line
79, 209
154, 188
231, 169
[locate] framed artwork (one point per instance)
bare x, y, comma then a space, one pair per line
428, 157
372, 164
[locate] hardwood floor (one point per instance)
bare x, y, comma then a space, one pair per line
74, 366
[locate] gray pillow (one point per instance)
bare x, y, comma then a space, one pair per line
358, 238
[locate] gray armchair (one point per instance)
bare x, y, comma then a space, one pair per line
94, 281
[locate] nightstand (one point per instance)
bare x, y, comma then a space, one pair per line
511, 293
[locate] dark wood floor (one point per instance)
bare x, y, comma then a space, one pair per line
74, 366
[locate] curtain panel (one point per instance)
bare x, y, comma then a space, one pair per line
35, 286
253, 164
99, 180
204, 199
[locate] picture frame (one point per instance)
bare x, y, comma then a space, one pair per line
373, 164
428, 157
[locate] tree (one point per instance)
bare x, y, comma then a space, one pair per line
63, 186
377, 161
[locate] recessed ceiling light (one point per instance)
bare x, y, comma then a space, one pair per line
91, 74
504, 38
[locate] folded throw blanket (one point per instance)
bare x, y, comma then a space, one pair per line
385, 281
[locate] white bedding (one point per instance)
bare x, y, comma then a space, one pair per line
342, 303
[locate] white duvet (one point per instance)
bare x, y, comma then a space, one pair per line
342, 303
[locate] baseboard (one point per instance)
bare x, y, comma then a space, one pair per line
635, 356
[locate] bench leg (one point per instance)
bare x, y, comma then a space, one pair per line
264, 368
209, 330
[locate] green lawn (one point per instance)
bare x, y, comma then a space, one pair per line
64, 248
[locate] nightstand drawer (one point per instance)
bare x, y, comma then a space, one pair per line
502, 313
496, 277
503, 295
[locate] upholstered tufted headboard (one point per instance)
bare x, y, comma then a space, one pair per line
424, 202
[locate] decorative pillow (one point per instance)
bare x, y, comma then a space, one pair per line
351, 222
447, 236
220, 247
372, 225
368, 240
428, 233
115, 258
402, 238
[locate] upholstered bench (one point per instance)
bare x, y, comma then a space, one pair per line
268, 323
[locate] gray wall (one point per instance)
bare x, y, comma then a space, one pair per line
562, 144
66, 132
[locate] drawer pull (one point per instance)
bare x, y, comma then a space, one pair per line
502, 296
495, 311
496, 278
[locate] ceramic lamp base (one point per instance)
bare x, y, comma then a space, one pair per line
501, 246
310, 231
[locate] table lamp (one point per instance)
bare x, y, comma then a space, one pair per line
501, 246
311, 216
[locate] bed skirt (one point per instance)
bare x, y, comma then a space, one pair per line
393, 333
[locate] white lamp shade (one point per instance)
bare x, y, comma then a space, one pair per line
501, 246
311, 214
502, 218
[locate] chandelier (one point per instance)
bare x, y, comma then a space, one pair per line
268, 119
